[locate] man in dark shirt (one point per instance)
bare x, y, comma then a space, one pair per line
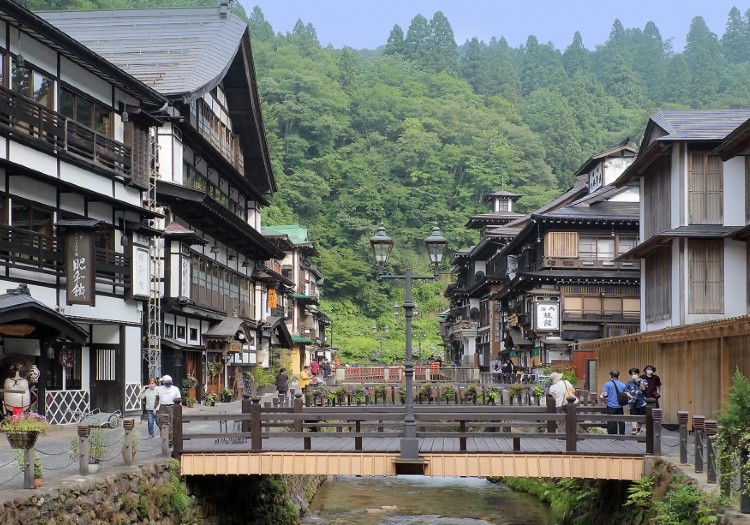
653, 383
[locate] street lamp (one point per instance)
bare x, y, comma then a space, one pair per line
380, 335
381, 249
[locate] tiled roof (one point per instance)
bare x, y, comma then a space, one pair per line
297, 234
172, 50
696, 125
608, 210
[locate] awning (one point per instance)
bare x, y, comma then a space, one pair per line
276, 326
302, 340
517, 337
22, 315
226, 329
174, 344
549, 341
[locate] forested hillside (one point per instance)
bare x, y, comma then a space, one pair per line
421, 129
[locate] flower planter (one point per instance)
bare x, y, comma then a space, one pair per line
133, 455
94, 468
37, 482
21, 439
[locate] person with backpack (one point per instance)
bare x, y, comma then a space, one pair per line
636, 391
613, 392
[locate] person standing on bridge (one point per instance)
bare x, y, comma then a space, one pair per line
636, 391
614, 407
282, 384
653, 383
557, 391
304, 378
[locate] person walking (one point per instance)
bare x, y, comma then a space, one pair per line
152, 404
282, 385
614, 407
167, 393
636, 391
558, 390
653, 383
314, 367
304, 378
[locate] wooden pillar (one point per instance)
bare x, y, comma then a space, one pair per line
698, 428
551, 409
571, 425
83, 449
256, 440
650, 403
358, 437
177, 444
682, 419
710, 427
127, 425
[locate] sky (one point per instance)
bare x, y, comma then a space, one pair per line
366, 25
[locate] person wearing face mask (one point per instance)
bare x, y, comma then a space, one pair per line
167, 393
635, 389
653, 383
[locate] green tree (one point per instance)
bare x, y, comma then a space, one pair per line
443, 51
541, 66
395, 44
734, 43
575, 59
260, 28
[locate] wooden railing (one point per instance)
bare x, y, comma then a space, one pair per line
46, 129
256, 424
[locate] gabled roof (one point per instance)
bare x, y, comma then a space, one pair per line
698, 124
297, 234
668, 126
623, 150
606, 211
173, 50
503, 193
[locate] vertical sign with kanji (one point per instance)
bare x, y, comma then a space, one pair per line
79, 267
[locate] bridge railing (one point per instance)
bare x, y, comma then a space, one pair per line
282, 427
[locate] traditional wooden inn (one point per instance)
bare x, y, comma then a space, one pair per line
75, 165
694, 176
539, 285
211, 312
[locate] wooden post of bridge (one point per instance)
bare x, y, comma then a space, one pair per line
657, 415
682, 419
551, 409
650, 403
298, 410
164, 420
177, 428
710, 428
698, 428
127, 425
256, 440
358, 438
246, 404
83, 449
571, 425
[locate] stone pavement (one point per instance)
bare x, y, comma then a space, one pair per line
54, 449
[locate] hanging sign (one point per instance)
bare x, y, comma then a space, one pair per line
79, 267
272, 297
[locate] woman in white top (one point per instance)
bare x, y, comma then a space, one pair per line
557, 391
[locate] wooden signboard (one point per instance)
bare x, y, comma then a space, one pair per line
79, 267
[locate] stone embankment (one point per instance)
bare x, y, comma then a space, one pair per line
153, 494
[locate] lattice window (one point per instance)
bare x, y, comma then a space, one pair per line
658, 285
561, 244
706, 276
705, 186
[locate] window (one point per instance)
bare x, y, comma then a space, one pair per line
706, 276
31, 218
561, 244
193, 334
705, 186
625, 244
502, 205
168, 330
656, 199
658, 285
89, 113
180, 332
34, 85
596, 248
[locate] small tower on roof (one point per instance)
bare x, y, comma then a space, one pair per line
502, 201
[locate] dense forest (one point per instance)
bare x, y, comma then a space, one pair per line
419, 130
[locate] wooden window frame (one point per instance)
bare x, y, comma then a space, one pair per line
562, 245
705, 186
657, 199
658, 285
706, 276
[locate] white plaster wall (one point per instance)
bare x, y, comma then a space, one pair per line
26, 156
88, 83
3, 148
735, 278
106, 309
71, 202
678, 179
629, 195
86, 367
84, 179
33, 190
34, 52
100, 210
734, 192
133, 354
128, 194
105, 334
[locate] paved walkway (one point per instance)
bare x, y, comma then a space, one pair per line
54, 449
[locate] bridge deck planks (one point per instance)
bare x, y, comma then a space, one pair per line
331, 443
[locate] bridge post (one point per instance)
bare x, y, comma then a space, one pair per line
246, 404
571, 425
256, 440
83, 449
298, 410
127, 425
682, 419
462, 439
177, 444
358, 438
164, 420
698, 428
657, 415
551, 409
710, 427
650, 404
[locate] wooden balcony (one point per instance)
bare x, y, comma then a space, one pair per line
546, 263
39, 127
217, 134
26, 250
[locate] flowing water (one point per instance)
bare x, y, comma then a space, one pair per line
416, 500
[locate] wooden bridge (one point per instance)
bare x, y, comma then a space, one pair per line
454, 440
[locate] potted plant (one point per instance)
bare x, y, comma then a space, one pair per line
425, 392
537, 392
358, 393
135, 446
98, 447
226, 395
381, 390
189, 385
402, 394
494, 395
516, 391
209, 400
189, 401
450, 392
22, 430
38, 472
471, 394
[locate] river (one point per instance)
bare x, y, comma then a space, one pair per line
416, 500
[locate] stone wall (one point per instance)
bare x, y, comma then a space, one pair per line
154, 494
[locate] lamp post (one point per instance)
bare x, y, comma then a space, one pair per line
380, 335
382, 245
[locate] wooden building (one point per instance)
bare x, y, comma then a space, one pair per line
75, 165
693, 173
